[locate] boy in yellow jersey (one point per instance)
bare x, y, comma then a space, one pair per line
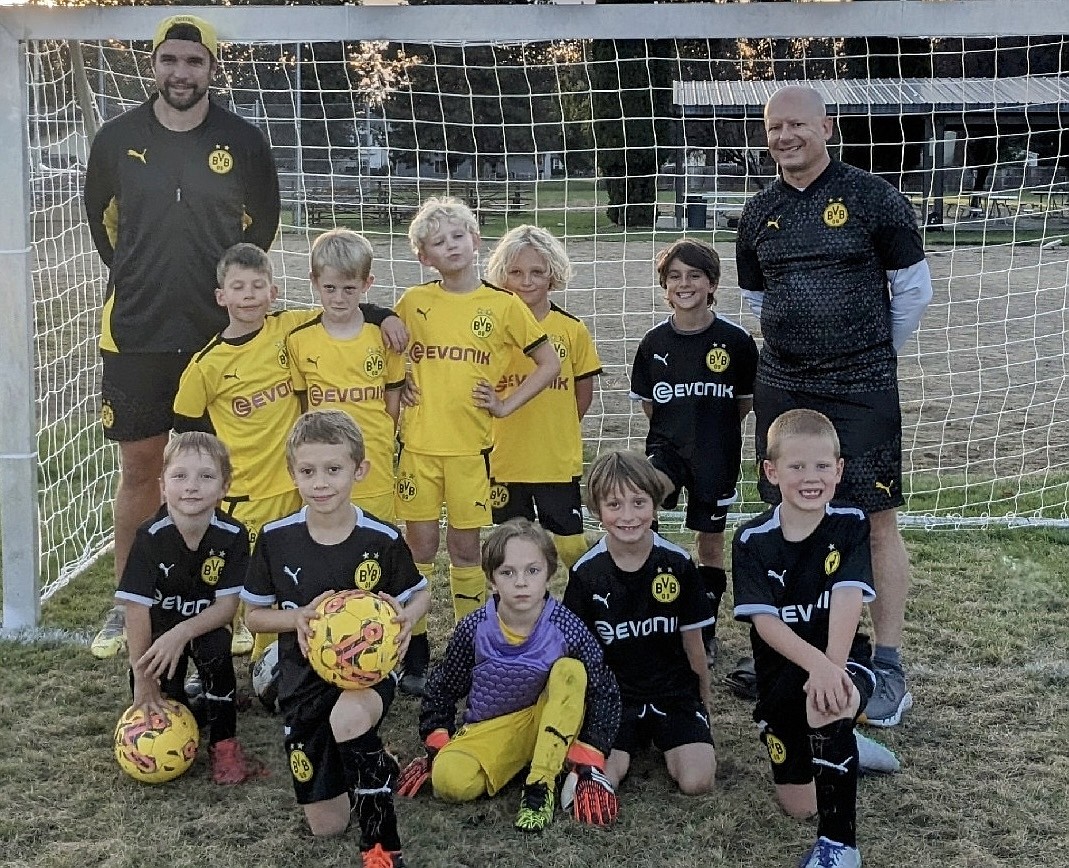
239, 387
462, 334
537, 461
339, 361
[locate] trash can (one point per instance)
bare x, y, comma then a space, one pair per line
696, 212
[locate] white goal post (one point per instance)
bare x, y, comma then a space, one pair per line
369, 109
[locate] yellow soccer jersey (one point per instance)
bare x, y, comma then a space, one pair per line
245, 388
351, 375
543, 440
456, 340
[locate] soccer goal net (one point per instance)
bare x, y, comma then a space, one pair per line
617, 128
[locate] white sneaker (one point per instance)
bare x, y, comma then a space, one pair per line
873, 758
829, 854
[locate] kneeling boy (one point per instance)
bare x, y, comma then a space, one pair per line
338, 761
801, 573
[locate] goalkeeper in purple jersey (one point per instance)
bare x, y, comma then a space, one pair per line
539, 695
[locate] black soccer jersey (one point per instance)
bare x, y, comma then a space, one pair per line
177, 582
694, 382
793, 581
290, 569
820, 257
638, 618
162, 206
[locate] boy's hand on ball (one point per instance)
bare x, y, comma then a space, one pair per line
404, 620
161, 659
305, 616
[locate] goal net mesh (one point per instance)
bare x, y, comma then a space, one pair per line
618, 148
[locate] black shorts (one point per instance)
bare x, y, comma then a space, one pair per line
782, 725
669, 724
137, 393
558, 506
315, 762
707, 508
869, 425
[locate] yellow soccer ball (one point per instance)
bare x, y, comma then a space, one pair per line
159, 748
354, 640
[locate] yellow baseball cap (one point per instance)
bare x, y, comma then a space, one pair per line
187, 27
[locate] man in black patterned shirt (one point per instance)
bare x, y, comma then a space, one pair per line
830, 259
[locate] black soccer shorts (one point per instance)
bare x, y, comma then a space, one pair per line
668, 724
782, 724
316, 767
558, 506
137, 393
869, 425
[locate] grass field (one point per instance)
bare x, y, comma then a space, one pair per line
985, 753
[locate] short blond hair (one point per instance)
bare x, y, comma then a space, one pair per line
799, 422
433, 213
344, 250
204, 443
517, 528
619, 469
244, 255
513, 241
332, 427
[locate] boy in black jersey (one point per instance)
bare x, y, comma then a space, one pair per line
801, 574
180, 586
694, 374
641, 597
339, 764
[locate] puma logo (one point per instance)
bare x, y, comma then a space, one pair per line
312, 361
476, 597
138, 155
480, 504
662, 359
772, 224
566, 739
166, 568
423, 313
779, 577
292, 573
603, 600
231, 376
886, 489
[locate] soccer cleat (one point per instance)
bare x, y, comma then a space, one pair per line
196, 701
873, 758
379, 857
241, 641
536, 807
828, 854
231, 765
412, 684
111, 639
890, 700
417, 659
742, 680
712, 650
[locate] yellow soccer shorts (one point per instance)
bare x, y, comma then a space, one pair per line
379, 505
255, 513
461, 482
